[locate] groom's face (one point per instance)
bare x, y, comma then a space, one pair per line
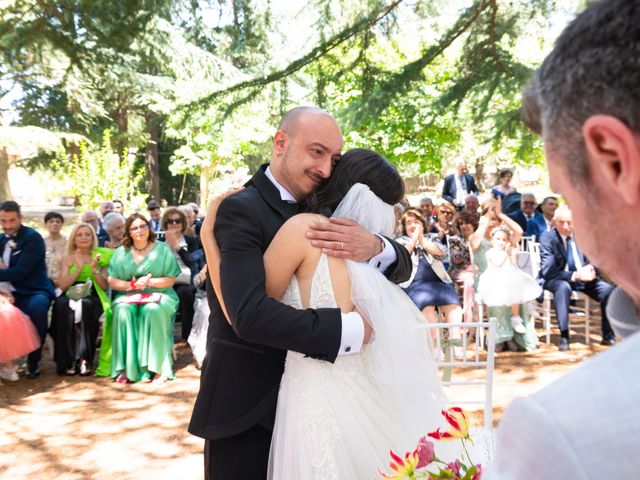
306, 153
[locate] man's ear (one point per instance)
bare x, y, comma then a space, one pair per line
614, 151
280, 141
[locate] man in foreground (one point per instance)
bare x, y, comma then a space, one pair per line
584, 103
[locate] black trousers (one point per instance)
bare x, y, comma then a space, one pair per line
73, 342
187, 295
242, 457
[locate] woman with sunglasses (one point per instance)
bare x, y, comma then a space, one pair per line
175, 224
142, 272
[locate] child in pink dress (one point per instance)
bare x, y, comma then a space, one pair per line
18, 336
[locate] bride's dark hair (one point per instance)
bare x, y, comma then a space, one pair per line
358, 166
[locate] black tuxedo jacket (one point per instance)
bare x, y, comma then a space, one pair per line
553, 257
449, 188
243, 366
27, 270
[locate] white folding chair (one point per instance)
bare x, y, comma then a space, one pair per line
454, 354
525, 240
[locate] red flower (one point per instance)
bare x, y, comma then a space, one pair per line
459, 423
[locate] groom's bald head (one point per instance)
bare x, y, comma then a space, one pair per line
305, 148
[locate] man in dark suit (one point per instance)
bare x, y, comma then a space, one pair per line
527, 211
458, 186
23, 267
563, 269
235, 408
540, 224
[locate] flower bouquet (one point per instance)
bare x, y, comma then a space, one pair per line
423, 462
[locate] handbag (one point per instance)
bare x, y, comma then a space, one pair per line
80, 290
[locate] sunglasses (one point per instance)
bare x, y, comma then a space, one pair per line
142, 227
174, 221
446, 212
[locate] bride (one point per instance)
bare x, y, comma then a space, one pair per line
338, 421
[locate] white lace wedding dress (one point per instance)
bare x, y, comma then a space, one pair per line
339, 421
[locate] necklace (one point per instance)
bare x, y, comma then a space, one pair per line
141, 250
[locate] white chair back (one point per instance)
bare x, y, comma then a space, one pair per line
454, 354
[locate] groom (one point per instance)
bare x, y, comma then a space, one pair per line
236, 405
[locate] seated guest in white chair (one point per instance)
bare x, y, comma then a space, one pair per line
540, 224
565, 269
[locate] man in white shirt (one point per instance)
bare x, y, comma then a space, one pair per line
584, 103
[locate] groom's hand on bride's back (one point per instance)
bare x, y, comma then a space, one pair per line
343, 238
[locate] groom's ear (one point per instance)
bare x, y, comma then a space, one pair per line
280, 141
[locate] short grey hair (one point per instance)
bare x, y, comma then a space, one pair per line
109, 219
593, 69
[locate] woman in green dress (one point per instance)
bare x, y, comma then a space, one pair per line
506, 337
76, 313
142, 273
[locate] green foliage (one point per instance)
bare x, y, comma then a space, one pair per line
98, 174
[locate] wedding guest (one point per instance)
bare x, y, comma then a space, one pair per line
197, 223
142, 324
472, 205
444, 226
106, 207
174, 224
461, 268
55, 244
564, 269
504, 188
76, 313
18, 337
191, 218
540, 224
426, 207
91, 217
429, 285
479, 241
198, 337
584, 103
113, 224
458, 186
153, 208
24, 271
527, 211
118, 207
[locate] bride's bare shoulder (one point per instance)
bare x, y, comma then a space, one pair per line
303, 221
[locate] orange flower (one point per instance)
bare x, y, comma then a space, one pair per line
403, 467
459, 425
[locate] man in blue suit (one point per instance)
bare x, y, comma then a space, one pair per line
563, 269
541, 224
458, 186
23, 267
527, 211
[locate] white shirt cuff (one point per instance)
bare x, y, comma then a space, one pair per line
352, 334
385, 258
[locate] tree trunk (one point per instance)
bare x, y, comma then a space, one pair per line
5, 188
151, 156
120, 139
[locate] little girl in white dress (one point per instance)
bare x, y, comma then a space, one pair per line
502, 284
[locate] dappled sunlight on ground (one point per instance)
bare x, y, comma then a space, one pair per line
71, 428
